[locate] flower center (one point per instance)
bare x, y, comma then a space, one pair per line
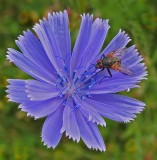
71, 88
68, 90
78, 84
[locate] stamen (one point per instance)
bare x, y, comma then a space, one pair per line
73, 75
80, 85
83, 97
61, 94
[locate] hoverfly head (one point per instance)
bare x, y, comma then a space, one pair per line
99, 64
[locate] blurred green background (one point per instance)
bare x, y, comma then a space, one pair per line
20, 135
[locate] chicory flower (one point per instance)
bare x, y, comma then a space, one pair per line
66, 86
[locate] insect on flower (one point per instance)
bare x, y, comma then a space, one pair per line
113, 61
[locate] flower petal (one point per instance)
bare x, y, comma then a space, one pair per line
119, 81
89, 132
32, 48
30, 67
82, 41
39, 109
90, 113
52, 41
38, 90
119, 41
16, 91
16, 85
69, 121
98, 35
132, 61
116, 107
96, 39
60, 23
51, 129
112, 85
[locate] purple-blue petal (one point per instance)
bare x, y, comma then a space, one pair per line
16, 91
89, 133
119, 41
38, 90
81, 42
32, 48
60, 26
89, 112
18, 97
39, 109
16, 85
119, 81
113, 86
52, 41
30, 67
51, 134
115, 107
70, 125
98, 34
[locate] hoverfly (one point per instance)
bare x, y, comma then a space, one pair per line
113, 61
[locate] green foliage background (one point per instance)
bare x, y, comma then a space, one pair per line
20, 135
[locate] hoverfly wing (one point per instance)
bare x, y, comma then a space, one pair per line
118, 67
118, 53
125, 70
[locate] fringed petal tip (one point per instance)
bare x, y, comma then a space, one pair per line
125, 35
139, 110
59, 15
102, 149
106, 24
9, 100
119, 41
103, 24
88, 16
100, 122
8, 56
75, 138
28, 114
48, 145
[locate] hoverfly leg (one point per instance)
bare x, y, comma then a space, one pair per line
97, 72
101, 79
100, 71
103, 56
109, 72
106, 76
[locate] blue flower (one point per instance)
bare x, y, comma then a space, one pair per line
66, 87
